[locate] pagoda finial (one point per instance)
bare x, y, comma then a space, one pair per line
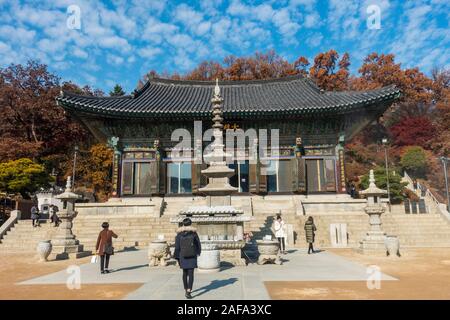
217, 90
68, 184
371, 178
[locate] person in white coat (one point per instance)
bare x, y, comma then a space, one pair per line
280, 233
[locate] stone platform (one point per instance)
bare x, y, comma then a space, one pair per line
236, 283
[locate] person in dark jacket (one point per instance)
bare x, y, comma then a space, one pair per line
104, 246
35, 216
353, 191
53, 215
310, 229
187, 249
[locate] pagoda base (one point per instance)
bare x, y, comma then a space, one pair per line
69, 252
233, 257
374, 247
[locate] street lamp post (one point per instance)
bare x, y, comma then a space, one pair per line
444, 162
74, 166
385, 142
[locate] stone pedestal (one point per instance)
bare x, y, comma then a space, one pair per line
233, 257
158, 253
374, 241
268, 251
392, 246
209, 259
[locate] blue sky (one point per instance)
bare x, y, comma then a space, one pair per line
119, 41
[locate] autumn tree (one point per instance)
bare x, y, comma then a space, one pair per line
31, 120
330, 72
94, 169
413, 131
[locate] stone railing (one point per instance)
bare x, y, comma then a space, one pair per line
12, 220
429, 196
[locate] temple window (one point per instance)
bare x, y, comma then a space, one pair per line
240, 179
179, 177
279, 176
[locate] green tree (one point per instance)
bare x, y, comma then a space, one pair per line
414, 161
23, 176
395, 185
117, 91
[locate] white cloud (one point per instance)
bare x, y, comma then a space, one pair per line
79, 53
285, 25
149, 52
114, 60
315, 39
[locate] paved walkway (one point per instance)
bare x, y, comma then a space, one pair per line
236, 283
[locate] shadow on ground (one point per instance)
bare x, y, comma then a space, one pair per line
214, 285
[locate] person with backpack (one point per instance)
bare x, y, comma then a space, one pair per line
187, 249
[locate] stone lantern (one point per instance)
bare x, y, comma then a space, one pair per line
374, 240
64, 243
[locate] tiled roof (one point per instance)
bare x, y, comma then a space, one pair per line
163, 98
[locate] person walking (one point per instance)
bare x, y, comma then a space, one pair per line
310, 229
187, 249
280, 233
104, 246
35, 216
53, 216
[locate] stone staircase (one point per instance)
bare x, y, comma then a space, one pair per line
137, 230
23, 238
418, 230
133, 231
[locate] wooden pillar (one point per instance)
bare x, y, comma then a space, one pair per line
300, 166
340, 172
117, 163
196, 167
113, 142
253, 168
155, 174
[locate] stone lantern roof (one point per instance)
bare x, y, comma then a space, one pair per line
68, 194
373, 190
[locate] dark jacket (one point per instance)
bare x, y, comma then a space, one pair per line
34, 213
310, 229
187, 263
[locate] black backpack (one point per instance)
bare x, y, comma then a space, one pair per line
187, 245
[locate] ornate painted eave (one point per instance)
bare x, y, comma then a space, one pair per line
182, 99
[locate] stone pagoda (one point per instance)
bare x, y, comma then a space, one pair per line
64, 243
218, 223
374, 240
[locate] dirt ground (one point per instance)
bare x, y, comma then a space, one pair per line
421, 273
16, 268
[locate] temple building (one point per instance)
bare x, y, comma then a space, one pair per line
313, 127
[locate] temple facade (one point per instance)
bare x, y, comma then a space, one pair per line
312, 127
